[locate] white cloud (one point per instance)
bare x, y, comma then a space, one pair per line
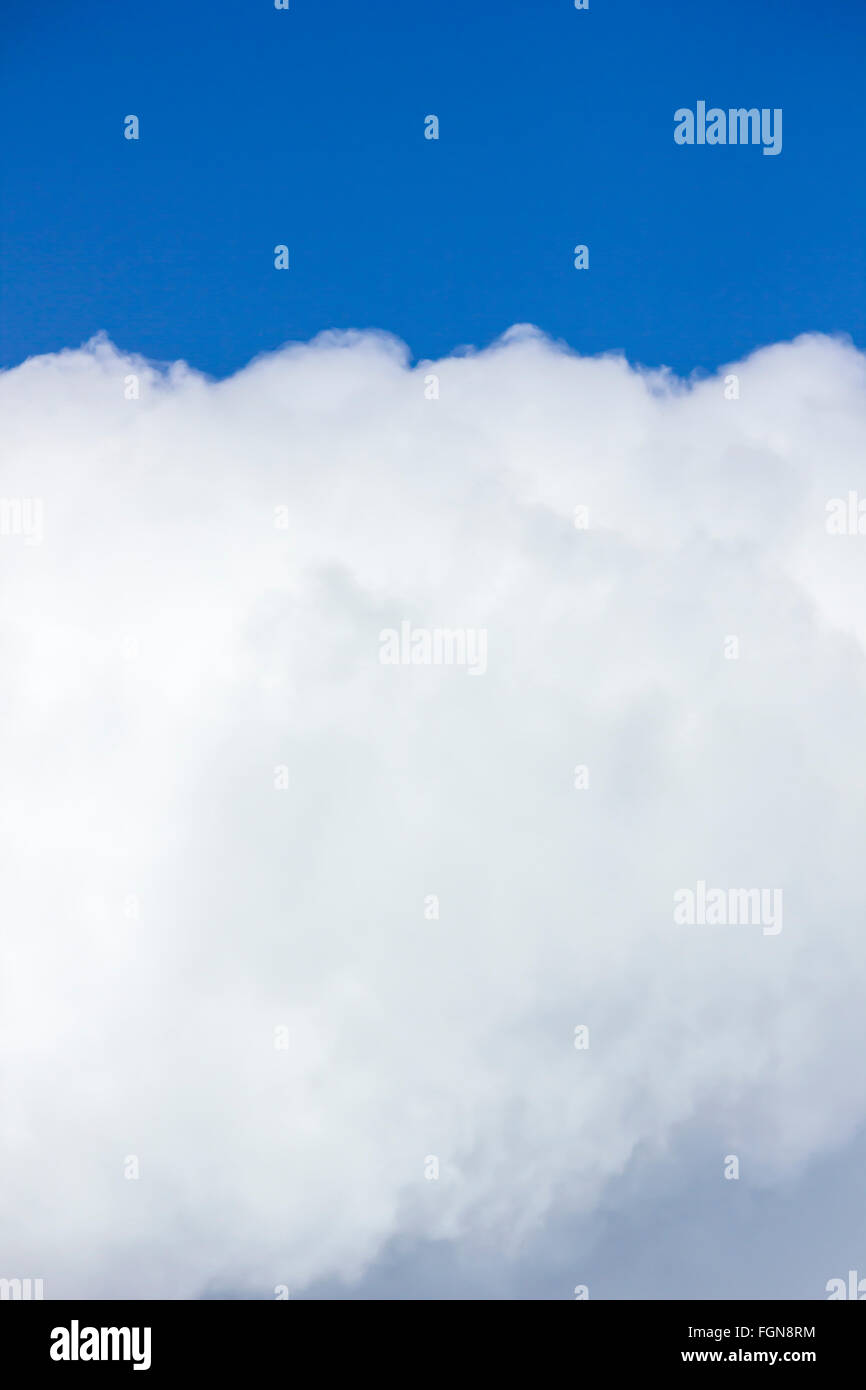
165, 908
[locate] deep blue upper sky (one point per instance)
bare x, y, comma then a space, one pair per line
305, 127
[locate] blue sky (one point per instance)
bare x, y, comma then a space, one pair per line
305, 127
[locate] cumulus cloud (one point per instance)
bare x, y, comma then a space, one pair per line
223, 816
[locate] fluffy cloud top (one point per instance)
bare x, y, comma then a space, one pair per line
222, 815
